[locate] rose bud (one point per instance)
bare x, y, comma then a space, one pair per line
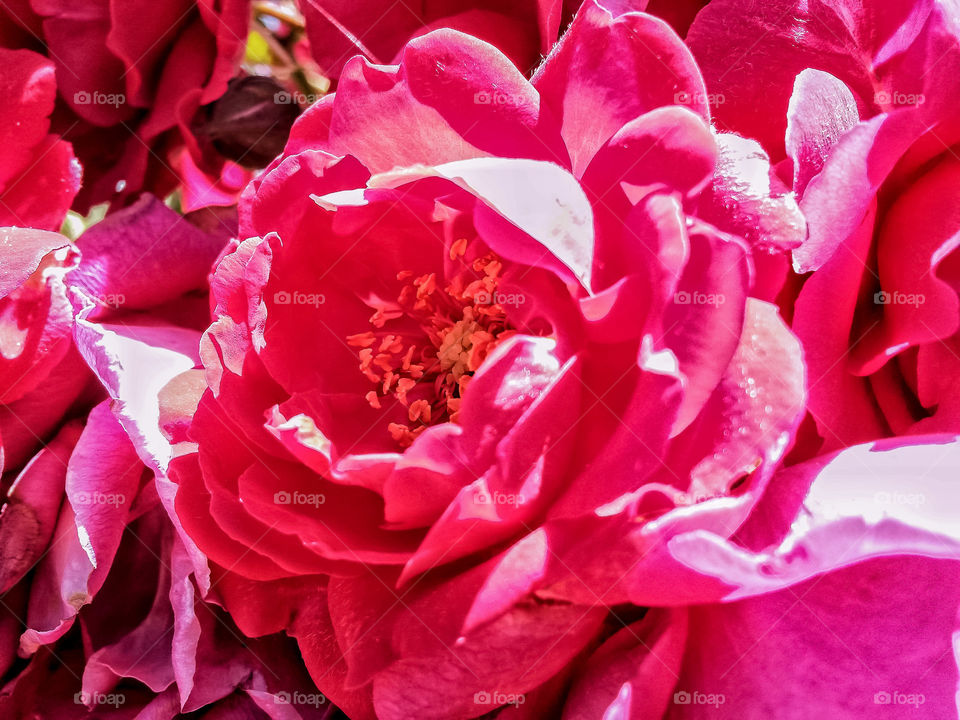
251, 122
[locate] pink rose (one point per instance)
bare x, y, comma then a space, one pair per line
131, 76
483, 331
679, 13
524, 30
103, 595
866, 130
41, 374
837, 597
102, 599
39, 176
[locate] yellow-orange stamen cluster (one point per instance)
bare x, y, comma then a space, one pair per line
461, 324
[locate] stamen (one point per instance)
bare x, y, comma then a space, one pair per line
461, 323
458, 248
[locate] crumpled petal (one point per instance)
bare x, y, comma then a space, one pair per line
103, 476
126, 258
645, 66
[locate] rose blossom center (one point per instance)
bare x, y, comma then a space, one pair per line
460, 324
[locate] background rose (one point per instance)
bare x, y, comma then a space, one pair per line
39, 176
102, 605
338, 29
305, 308
846, 566
679, 13
867, 133
130, 77
41, 375
81, 521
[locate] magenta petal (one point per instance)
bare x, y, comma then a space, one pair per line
622, 449
28, 91
389, 117
644, 66
840, 402
640, 662
508, 497
103, 477
938, 369
81, 72
704, 320
514, 190
22, 250
143, 653
821, 110
670, 147
864, 638
134, 362
126, 258
35, 316
862, 44
836, 201
914, 305
39, 175
755, 409
748, 199
32, 506
540, 639
136, 45
25, 422
870, 518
